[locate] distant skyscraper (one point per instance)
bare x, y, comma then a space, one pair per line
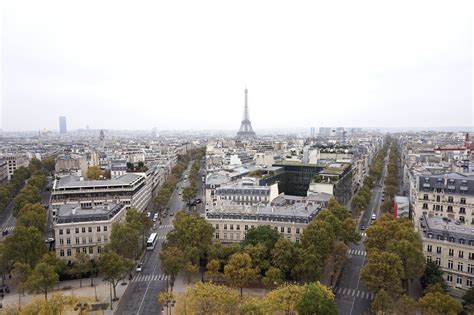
62, 125
246, 130
313, 132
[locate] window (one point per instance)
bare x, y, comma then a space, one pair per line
429, 248
90, 239
438, 261
438, 250
449, 277
77, 240
425, 197
106, 238
471, 256
105, 228
91, 250
288, 230
460, 266
470, 268
462, 210
246, 227
69, 253
231, 226
450, 264
99, 249
451, 252
282, 229
450, 199
83, 230
68, 231
425, 206
61, 241
84, 240
428, 258
217, 235
237, 227
68, 241
98, 229
469, 282
225, 226
438, 198
461, 254
297, 230
84, 250
61, 253
99, 238
463, 201
77, 230
61, 232
217, 226
89, 229
78, 250
459, 280
225, 236
450, 209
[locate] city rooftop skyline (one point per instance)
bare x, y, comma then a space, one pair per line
185, 67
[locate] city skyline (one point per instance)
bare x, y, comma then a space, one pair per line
303, 67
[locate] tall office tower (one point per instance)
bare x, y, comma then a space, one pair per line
62, 125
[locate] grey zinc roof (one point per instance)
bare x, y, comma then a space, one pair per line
73, 181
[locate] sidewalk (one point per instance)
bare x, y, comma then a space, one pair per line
72, 287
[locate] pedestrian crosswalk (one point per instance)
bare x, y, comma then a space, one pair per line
146, 278
363, 234
162, 237
166, 226
357, 252
8, 228
354, 292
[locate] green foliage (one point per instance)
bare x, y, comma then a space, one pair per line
437, 303
28, 194
94, 173
172, 261
125, 241
383, 270
239, 270
263, 234
42, 279
316, 299
25, 245
49, 164
32, 215
273, 278
432, 275
113, 268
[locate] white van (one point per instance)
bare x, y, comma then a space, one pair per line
374, 216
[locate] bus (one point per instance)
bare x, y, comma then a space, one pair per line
150, 244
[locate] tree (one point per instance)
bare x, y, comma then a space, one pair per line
316, 299
49, 164
35, 165
94, 173
239, 272
28, 194
437, 303
258, 254
284, 298
113, 267
140, 222
284, 256
432, 274
81, 266
273, 278
263, 234
383, 270
56, 305
173, 261
20, 274
124, 240
383, 303
411, 256
25, 245
188, 194
405, 306
213, 272
209, 298
42, 279
32, 215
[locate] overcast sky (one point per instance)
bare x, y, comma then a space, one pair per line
185, 64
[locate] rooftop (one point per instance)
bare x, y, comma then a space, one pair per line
447, 227
75, 213
73, 181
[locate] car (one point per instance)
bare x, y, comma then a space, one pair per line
4, 289
198, 201
5, 232
139, 267
148, 214
180, 193
362, 227
171, 214
154, 219
374, 216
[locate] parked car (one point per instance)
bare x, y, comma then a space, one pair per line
5, 232
148, 214
198, 201
4, 289
139, 267
362, 227
374, 216
171, 214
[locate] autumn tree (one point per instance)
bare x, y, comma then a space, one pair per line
94, 173
263, 234
32, 215
284, 298
25, 245
383, 271
213, 272
273, 278
383, 303
20, 274
437, 303
140, 222
81, 266
316, 299
124, 240
172, 261
239, 271
284, 256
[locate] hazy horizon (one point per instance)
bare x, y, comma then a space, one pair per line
184, 65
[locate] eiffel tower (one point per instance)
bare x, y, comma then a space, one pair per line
246, 130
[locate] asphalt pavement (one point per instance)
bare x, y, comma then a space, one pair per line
141, 296
352, 296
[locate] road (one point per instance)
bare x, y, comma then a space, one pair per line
352, 296
141, 296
